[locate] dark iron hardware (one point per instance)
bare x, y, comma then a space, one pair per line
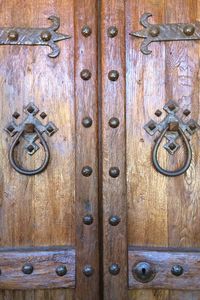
34, 36
114, 269
88, 219
172, 127
88, 270
114, 220
27, 269
61, 270
144, 272
31, 129
177, 270
165, 32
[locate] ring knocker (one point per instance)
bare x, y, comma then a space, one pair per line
31, 129
171, 128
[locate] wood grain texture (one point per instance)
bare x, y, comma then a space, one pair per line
162, 211
44, 262
86, 151
163, 261
113, 150
38, 211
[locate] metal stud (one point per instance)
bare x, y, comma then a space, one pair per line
13, 35
158, 113
114, 122
112, 31
87, 122
88, 219
113, 75
189, 29
186, 112
177, 270
85, 74
154, 31
86, 31
61, 270
114, 220
114, 269
27, 269
87, 171
114, 172
88, 270
43, 115
144, 272
45, 36
16, 115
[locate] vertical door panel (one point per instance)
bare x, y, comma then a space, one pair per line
87, 245
113, 150
38, 210
162, 211
52, 208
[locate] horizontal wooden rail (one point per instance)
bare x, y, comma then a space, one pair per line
169, 269
37, 268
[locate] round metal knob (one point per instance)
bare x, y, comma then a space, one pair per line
114, 122
27, 269
61, 270
88, 270
112, 31
113, 75
114, 269
114, 220
177, 270
46, 36
86, 74
144, 272
88, 219
86, 171
87, 122
13, 35
189, 29
86, 31
154, 31
114, 172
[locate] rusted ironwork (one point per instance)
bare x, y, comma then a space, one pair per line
172, 127
165, 32
34, 36
31, 130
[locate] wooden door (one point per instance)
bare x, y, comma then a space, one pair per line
151, 234
102, 220
49, 221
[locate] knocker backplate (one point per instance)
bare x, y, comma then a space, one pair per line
171, 128
31, 130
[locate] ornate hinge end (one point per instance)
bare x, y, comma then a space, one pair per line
165, 32
144, 19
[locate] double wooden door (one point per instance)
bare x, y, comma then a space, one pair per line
86, 211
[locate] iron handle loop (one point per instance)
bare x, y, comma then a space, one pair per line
181, 170
20, 169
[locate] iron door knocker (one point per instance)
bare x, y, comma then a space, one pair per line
171, 128
31, 129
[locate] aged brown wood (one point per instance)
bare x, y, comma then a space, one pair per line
163, 261
38, 211
87, 287
44, 262
161, 212
113, 149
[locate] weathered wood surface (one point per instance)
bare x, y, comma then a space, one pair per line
163, 261
87, 245
44, 262
38, 211
113, 150
161, 211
